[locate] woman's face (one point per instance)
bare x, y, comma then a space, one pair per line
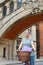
26, 34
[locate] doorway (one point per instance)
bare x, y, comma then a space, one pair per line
4, 52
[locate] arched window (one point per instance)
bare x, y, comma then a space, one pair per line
19, 3
11, 6
4, 52
4, 10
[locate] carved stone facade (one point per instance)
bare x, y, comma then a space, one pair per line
9, 10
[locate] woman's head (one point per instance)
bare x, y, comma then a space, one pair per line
27, 33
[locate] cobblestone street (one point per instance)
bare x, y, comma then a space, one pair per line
14, 62
39, 63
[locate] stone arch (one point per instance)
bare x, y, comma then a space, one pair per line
14, 30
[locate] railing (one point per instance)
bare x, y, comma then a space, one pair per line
26, 8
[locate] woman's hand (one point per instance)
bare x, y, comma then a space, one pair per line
20, 46
18, 49
33, 49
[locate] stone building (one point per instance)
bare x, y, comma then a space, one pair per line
12, 11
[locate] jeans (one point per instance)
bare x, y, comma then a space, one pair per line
32, 60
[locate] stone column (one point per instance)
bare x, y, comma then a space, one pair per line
8, 50
15, 4
14, 50
1, 12
34, 36
8, 5
11, 50
33, 29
